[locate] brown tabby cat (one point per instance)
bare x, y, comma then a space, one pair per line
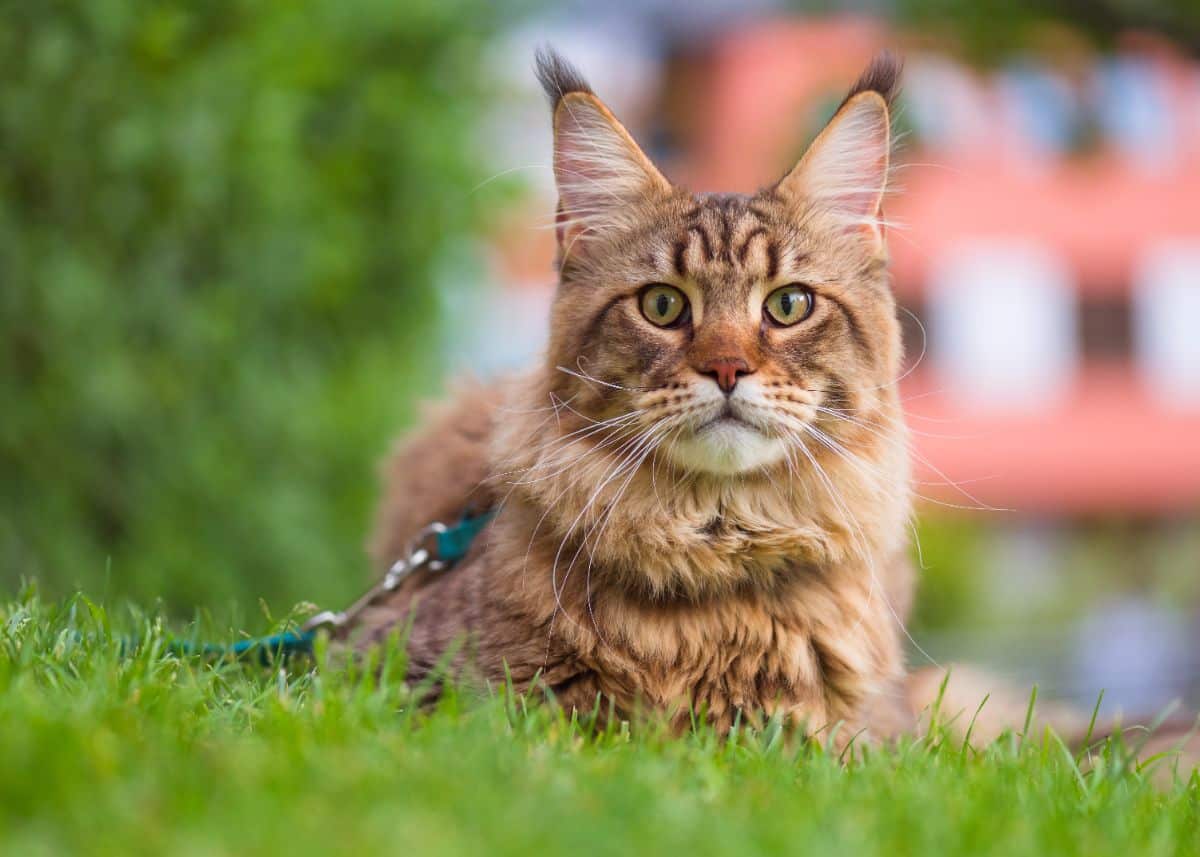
703, 491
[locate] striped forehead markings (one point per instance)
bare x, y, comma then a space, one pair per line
706, 243
724, 231
750, 236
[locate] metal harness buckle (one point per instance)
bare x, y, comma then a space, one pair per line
421, 553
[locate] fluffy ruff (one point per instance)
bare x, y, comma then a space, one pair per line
782, 590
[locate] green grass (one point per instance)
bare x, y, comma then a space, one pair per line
105, 752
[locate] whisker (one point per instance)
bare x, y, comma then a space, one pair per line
583, 376
841, 413
509, 171
980, 505
555, 404
865, 556
612, 473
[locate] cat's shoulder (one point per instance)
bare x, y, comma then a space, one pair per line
438, 468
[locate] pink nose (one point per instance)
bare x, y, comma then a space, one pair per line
725, 370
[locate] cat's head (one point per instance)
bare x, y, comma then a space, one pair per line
731, 330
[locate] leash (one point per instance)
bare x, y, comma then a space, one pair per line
436, 547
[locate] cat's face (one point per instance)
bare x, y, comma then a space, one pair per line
731, 333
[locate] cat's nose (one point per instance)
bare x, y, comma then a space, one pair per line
725, 371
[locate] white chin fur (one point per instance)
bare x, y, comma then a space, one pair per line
727, 449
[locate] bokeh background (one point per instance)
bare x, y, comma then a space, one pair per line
239, 242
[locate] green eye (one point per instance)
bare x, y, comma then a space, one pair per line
662, 304
789, 304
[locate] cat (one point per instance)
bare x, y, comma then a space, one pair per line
702, 493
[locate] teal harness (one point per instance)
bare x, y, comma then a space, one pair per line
436, 548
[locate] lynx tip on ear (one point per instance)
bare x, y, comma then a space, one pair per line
557, 76
881, 76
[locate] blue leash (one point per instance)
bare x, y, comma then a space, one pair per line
445, 545
266, 650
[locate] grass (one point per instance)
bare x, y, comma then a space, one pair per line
105, 751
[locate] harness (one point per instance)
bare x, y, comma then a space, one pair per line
437, 547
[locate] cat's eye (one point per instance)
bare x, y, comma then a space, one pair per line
789, 304
662, 304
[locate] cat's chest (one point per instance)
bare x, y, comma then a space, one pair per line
715, 549
719, 658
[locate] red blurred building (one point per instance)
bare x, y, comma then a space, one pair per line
1048, 238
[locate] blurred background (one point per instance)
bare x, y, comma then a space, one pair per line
239, 242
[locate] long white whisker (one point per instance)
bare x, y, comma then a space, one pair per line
558, 589
867, 557
957, 485
583, 376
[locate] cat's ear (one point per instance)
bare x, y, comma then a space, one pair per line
844, 172
599, 169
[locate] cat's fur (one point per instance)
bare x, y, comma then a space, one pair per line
649, 550
647, 553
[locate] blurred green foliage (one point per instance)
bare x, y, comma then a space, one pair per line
990, 31
220, 224
950, 554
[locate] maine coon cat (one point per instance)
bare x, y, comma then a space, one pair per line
702, 492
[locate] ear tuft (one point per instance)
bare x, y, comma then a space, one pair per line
600, 171
844, 172
557, 76
881, 76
